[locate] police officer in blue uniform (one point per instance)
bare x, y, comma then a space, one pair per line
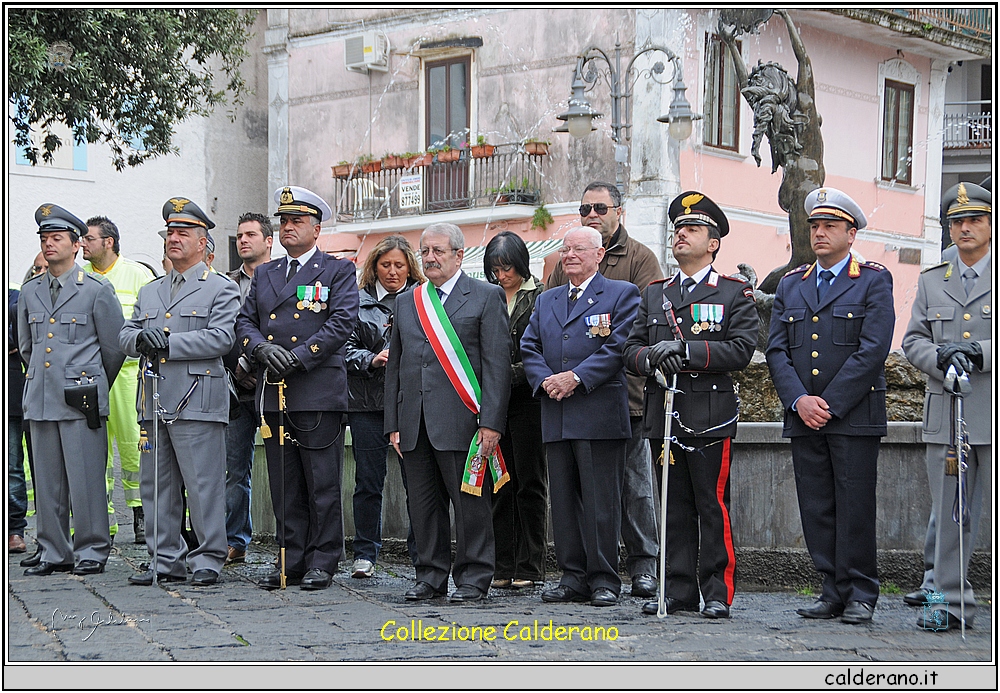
831, 329
294, 323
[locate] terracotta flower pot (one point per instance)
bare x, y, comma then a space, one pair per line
393, 162
419, 160
482, 151
536, 148
448, 156
371, 166
342, 170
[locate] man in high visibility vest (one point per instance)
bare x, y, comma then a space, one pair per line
102, 250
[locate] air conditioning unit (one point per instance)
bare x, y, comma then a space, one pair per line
367, 51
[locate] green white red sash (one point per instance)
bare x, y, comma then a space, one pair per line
455, 362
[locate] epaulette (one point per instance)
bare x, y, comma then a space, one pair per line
734, 279
874, 265
659, 281
940, 264
800, 268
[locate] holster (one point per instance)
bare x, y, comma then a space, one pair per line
84, 398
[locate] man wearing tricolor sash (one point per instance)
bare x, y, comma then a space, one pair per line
449, 376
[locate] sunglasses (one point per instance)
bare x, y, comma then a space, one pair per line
598, 207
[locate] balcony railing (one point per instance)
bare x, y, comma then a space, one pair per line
975, 22
509, 176
968, 125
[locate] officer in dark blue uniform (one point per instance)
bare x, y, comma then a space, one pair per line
831, 328
294, 323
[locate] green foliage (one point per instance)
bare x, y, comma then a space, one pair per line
134, 74
480, 140
541, 218
890, 588
806, 591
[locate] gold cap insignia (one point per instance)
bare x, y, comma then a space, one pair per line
691, 200
286, 196
45, 210
822, 195
178, 203
314, 348
963, 195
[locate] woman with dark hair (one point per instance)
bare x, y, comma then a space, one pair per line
390, 269
519, 508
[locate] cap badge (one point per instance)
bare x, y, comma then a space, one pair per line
286, 196
45, 210
178, 203
963, 195
822, 195
690, 201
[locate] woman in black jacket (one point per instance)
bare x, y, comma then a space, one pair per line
519, 507
390, 269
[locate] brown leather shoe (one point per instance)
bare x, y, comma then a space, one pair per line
235, 555
15, 544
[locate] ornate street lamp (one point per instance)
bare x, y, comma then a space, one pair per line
581, 114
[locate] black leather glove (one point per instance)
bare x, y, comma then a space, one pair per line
294, 363
151, 340
672, 364
277, 358
963, 355
661, 350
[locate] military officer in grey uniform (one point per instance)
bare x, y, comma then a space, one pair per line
952, 325
183, 324
68, 323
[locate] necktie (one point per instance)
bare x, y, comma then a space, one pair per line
688, 285
440, 293
176, 285
293, 267
574, 293
54, 288
826, 277
968, 278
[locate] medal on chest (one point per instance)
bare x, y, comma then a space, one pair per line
312, 297
706, 317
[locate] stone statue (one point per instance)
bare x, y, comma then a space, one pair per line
785, 111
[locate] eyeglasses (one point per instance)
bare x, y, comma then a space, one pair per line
576, 249
437, 252
91, 239
598, 207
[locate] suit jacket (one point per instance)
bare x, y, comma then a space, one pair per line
942, 314
834, 348
706, 398
200, 325
558, 339
73, 339
416, 384
271, 314
628, 260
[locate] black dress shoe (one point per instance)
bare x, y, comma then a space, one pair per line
146, 579
821, 609
272, 580
316, 579
940, 620
602, 596
46, 568
715, 609
421, 591
204, 576
562, 594
918, 598
673, 606
466, 593
88, 568
644, 586
32, 560
858, 612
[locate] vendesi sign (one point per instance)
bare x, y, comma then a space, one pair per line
411, 191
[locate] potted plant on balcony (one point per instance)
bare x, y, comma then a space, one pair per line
536, 147
392, 161
482, 150
518, 193
342, 169
447, 154
369, 164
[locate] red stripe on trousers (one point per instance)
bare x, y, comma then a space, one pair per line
727, 530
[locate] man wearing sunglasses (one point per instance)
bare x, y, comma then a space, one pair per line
626, 259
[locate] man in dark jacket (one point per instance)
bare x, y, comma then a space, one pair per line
17, 492
626, 259
716, 331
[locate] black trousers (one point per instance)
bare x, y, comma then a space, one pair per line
700, 553
434, 477
585, 485
835, 479
519, 507
310, 524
